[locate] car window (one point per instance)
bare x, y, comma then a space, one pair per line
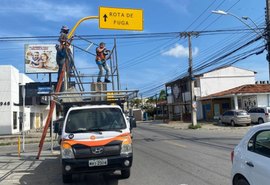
260, 143
252, 110
268, 110
231, 113
260, 110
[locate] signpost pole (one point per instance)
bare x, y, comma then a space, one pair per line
23, 119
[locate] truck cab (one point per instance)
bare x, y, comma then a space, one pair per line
95, 138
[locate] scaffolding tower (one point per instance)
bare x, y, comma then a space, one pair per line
67, 95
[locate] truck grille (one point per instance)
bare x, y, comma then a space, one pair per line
82, 151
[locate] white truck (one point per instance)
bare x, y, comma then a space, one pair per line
95, 138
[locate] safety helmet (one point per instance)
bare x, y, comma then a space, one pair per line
102, 43
64, 28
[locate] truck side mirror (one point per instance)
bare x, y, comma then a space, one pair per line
132, 122
57, 126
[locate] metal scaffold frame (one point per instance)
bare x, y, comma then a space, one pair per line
100, 94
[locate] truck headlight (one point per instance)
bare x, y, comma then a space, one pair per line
66, 151
126, 148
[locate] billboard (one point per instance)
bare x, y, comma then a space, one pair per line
40, 58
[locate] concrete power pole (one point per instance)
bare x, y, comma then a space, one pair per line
191, 78
267, 16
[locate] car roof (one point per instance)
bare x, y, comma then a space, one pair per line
236, 110
261, 126
260, 107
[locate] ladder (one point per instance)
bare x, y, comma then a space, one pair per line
52, 107
75, 71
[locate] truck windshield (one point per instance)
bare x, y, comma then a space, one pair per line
95, 119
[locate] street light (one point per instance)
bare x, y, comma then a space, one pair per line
248, 18
260, 33
221, 12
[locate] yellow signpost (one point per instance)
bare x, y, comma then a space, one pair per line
120, 18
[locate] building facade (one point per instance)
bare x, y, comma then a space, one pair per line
243, 97
178, 91
11, 105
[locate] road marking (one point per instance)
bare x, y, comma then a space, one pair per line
176, 144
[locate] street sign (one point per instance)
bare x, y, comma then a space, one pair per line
120, 18
44, 90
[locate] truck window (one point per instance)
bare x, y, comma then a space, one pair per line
95, 119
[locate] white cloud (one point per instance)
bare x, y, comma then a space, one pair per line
50, 11
180, 51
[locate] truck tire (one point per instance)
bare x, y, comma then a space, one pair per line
67, 178
125, 173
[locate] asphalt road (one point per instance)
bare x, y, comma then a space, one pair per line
162, 156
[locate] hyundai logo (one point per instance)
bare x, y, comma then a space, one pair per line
97, 150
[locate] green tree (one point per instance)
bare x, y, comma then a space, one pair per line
136, 103
162, 95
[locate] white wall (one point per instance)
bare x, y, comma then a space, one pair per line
224, 79
263, 100
8, 78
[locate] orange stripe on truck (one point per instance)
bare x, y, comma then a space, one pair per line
126, 138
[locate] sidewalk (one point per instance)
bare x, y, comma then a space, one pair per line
28, 170
32, 136
215, 126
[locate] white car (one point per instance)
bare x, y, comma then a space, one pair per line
251, 157
235, 117
260, 114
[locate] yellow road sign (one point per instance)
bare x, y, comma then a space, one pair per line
120, 18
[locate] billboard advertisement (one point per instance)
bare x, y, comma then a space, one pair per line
40, 58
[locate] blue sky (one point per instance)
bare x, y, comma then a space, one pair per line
144, 63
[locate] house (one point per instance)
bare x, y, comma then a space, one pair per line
220, 79
35, 110
242, 97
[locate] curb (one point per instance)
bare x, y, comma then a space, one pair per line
205, 126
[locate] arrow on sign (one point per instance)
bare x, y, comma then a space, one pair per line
105, 17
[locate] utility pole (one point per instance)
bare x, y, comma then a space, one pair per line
191, 77
156, 96
142, 104
267, 16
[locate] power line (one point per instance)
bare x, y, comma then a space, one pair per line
220, 15
203, 12
117, 36
199, 68
209, 15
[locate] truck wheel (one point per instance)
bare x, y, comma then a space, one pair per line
67, 178
125, 173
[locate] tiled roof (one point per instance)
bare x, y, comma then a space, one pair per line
244, 89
